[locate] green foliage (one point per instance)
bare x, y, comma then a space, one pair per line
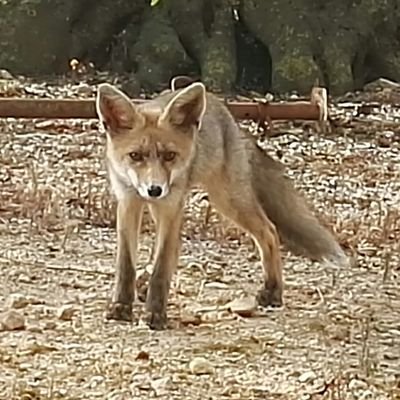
154, 2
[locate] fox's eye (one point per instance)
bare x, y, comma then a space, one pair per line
169, 155
135, 156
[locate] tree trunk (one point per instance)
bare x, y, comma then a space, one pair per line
35, 35
158, 54
279, 45
206, 29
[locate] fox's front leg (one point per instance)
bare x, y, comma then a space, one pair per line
168, 219
129, 216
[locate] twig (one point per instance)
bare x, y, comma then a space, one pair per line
75, 269
365, 345
386, 269
55, 268
121, 364
51, 388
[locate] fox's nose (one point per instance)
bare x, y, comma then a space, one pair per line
154, 191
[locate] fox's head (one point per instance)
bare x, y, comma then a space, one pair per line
149, 147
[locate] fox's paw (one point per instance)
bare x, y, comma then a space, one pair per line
119, 311
270, 296
158, 321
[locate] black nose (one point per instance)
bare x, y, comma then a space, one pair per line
154, 191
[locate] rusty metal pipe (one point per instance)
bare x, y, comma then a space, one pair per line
71, 108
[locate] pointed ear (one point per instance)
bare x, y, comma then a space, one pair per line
115, 109
187, 108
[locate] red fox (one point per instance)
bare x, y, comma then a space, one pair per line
157, 151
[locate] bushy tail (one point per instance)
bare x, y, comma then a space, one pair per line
286, 208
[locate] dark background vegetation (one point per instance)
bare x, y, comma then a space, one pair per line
262, 45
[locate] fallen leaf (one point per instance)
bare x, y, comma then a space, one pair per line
143, 355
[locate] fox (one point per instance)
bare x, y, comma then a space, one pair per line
157, 151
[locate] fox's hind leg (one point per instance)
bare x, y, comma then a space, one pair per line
129, 216
168, 218
244, 209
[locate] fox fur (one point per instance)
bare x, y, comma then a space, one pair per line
159, 150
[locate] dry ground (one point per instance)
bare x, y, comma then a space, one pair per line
337, 337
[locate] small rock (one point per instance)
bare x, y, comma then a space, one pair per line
65, 313
11, 320
269, 97
23, 278
307, 377
160, 386
381, 83
200, 366
357, 384
26, 366
95, 381
245, 307
4, 74
191, 320
84, 89
50, 325
35, 329
385, 139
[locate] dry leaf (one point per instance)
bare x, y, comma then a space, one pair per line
55, 174
16, 300
66, 312
39, 348
143, 355
19, 300
307, 377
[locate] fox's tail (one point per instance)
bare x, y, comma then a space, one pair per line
286, 208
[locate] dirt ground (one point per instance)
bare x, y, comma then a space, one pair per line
337, 336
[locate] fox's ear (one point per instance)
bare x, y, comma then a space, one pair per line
115, 109
187, 108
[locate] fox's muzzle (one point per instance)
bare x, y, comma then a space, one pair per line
153, 191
